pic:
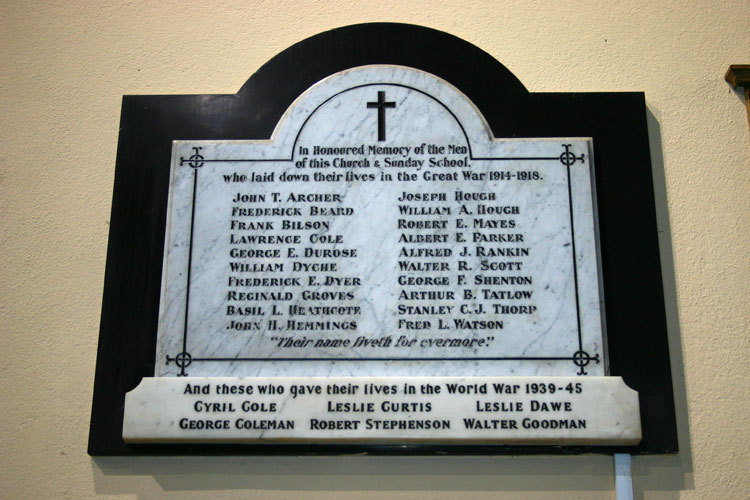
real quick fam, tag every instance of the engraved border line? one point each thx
(581, 358)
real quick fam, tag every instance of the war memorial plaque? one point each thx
(381, 270)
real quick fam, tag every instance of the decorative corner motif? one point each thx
(567, 157)
(582, 358)
(183, 360)
(195, 160)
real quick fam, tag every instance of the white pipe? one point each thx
(623, 480)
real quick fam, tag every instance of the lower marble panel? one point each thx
(387, 410)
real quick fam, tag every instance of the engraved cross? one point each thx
(381, 105)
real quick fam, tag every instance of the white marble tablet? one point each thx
(381, 231)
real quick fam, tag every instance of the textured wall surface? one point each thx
(65, 66)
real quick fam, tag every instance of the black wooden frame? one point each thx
(633, 292)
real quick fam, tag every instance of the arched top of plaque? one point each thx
(474, 73)
(379, 103)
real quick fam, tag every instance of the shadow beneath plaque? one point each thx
(666, 473)
(347, 474)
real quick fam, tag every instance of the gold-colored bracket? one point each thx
(738, 75)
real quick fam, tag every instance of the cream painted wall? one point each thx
(65, 66)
